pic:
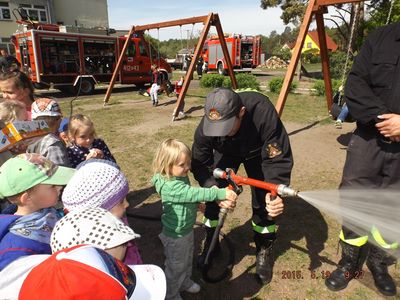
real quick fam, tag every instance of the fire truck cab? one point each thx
(244, 51)
(73, 60)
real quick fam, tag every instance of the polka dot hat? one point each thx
(96, 183)
(90, 226)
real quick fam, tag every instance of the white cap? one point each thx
(91, 226)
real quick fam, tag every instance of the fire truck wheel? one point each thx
(221, 70)
(86, 86)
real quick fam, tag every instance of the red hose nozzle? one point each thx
(275, 189)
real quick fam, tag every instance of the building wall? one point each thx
(85, 13)
(309, 44)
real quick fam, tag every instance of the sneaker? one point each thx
(194, 289)
(338, 124)
(181, 115)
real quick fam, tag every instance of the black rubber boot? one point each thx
(206, 245)
(377, 263)
(349, 266)
(264, 259)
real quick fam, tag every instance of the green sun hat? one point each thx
(24, 171)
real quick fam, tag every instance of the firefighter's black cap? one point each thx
(221, 109)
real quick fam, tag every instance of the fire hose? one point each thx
(235, 183)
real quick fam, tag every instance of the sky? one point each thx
(237, 16)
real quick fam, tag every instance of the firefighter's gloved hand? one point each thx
(274, 207)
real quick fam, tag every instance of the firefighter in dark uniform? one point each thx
(243, 128)
(372, 94)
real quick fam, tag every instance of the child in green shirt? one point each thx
(180, 202)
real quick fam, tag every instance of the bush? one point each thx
(311, 56)
(211, 80)
(285, 54)
(337, 61)
(275, 85)
(243, 80)
(319, 86)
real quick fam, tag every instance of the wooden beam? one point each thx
(227, 57)
(319, 3)
(189, 73)
(118, 66)
(194, 20)
(295, 57)
(323, 50)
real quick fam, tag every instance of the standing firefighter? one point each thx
(243, 128)
(373, 155)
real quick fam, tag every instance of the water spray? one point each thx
(363, 211)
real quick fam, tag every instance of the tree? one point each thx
(292, 10)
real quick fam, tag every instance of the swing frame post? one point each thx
(212, 19)
(314, 8)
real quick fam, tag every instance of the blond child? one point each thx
(13, 110)
(83, 142)
(180, 202)
(33, 183)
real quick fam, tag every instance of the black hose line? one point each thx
(226, 271)
(207, 267)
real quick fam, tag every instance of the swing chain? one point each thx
(390, 12)
(349, 45)
(149, 43)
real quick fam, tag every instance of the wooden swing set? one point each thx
(315, 8)
(212, 19)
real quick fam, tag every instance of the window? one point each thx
(5, 43)
(35, 12)
(142, 49)
(309, 45)
(131, 51)
(4, 11)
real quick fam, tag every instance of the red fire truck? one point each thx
(244, 51)
(70, 61)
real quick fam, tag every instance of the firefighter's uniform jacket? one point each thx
(261, 145)
(372, 89)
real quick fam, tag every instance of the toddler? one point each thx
(63, 131)
(11, 110)
(83, 142)
(155, 86)
(100, 183)
(178, 89)
(50, 145)
(33, 183)
(180, 202)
